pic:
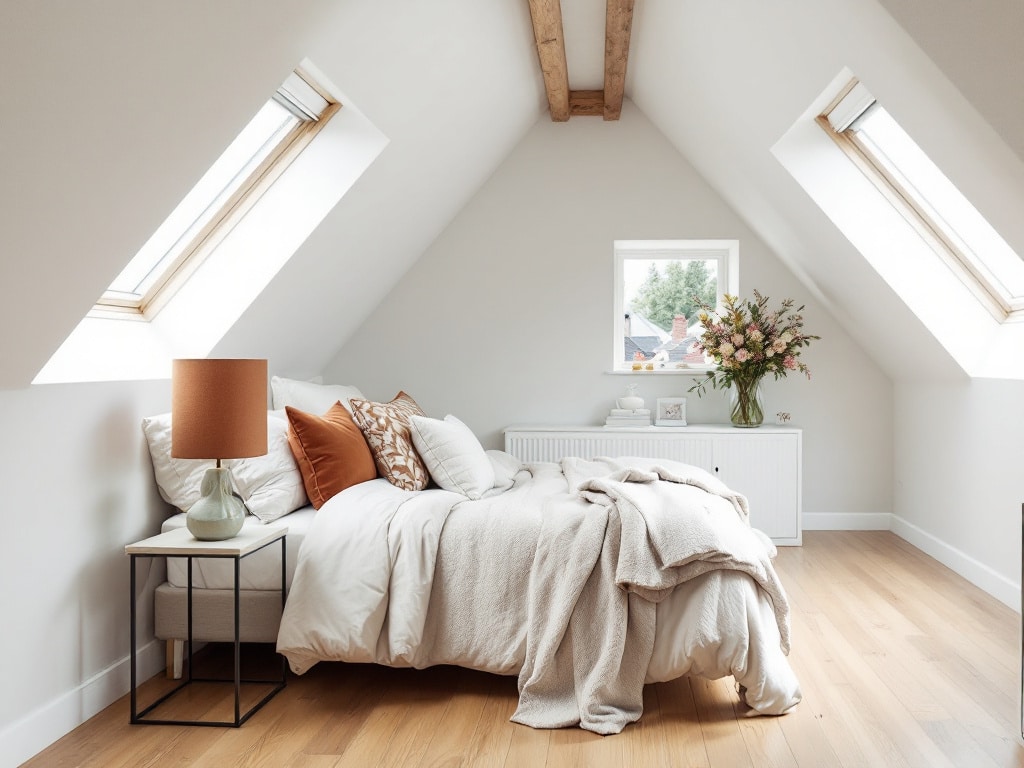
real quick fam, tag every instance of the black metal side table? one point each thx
(181, 543)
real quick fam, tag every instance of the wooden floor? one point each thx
(902, 663)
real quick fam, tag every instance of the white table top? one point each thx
(181, 542)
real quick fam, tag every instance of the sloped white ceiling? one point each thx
(454, 86)
(978, 47)
(111, 109)
(724, 81)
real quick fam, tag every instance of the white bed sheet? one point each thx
(260, 570)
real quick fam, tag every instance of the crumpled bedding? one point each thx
(586, 579)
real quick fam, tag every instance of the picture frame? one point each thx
(671, 412)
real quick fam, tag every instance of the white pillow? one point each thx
(453, 455)
(506, 467)
(271, 485)
(311, 396)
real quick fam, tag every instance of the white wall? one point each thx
(77, 487)
(507, 316)
(958, 489)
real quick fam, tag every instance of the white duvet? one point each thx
(586, 579)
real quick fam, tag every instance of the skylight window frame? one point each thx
(189, 258)
(983, 284)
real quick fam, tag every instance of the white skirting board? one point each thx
(37, 730)
(980, 575)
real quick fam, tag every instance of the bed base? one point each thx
(213, 618)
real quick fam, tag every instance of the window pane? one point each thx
(252, 146)
(941, 202)
(660, 302)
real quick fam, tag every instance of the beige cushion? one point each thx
(453, 455)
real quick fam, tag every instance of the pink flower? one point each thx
(779, 345)
(726, 349)
(737, 339)
(789, 362)
(742, 355)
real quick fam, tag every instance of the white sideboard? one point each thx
(764, 464)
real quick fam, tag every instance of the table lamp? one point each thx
(218, 411)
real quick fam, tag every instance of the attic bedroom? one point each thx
(451, 235)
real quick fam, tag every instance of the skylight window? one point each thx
(953, 227)
(245, 170)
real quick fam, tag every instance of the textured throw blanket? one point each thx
(587, 579)
(636, 529)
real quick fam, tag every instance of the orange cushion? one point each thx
(330, 451)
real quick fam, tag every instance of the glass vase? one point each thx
(746, 404)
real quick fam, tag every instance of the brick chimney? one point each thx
(679, 328)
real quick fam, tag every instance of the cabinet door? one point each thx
(698, 450)
(766, 469)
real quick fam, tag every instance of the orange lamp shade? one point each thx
(218, 409)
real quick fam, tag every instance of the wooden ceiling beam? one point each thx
(586, 103)
(547, 30)
(548, 33)
(617, 29)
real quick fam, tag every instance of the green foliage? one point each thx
(681, 290)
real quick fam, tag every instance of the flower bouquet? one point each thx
(746, 341)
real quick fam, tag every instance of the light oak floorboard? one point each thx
(901, 662)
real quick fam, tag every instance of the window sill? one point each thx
(693, 370)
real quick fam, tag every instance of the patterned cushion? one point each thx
(386, 429)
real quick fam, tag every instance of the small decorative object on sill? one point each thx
(629, 411)
(631, 401)
(671, 412)
(747, 342)
(638, 360)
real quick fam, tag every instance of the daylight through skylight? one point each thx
(941, 212)
(213, 202)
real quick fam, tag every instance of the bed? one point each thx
(586, 579)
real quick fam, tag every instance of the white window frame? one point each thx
(314, 107)
(725, 253)
(839, 120)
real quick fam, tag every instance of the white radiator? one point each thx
(531, 446)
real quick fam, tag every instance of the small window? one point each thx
(659, 285)
(939, 212)
(248, 167)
